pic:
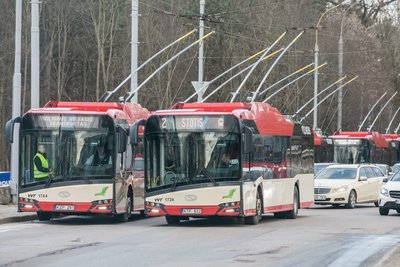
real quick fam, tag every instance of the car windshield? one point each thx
(319, 167)
(337, 173)
(396, 167)
(396, 177)
(383, 168)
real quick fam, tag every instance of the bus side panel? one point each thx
(249, 196)
(278, 194)
(138, 193)
(306, 189)
(120, 194)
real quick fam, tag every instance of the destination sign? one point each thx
(194, 123)
(66, 121)
(347, 142)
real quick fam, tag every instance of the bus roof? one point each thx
(375, 137)
(129, 111)
(268, 120)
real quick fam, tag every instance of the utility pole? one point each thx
(340, 92)
(199, 85)
(35, 55)
(134, 48)
(16, 100)
(316, 51)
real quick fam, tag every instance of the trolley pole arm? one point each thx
(359, 128)
(325, 98)
(165, 64)
(379, 113)
(108, 94)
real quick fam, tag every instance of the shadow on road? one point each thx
(90, 220)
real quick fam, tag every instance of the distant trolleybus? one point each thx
(88, 167)
(226, 159)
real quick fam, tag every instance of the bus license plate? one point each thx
(190, 211)
(64, 207)
(320, 197)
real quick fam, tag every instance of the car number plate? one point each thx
(64, 207)
(397, 201)
(190, 211)
(320, 197)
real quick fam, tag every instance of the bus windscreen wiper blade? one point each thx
(207, 174)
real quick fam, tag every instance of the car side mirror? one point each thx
(385, 180)
(363, 178)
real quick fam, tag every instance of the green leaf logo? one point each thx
(102, 192)
(230, 194)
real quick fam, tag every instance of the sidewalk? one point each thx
(9, 214)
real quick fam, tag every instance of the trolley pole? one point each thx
(134, 48)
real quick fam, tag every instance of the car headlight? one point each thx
(340, 189)
(384, 192)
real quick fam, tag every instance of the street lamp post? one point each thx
(316, 51)
(340, 71)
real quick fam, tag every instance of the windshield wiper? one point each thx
(207, 174)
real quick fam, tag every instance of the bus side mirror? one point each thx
(134, 132)
(10, 128)
(122, 139)
(247, 138)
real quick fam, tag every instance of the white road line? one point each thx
(357, 252)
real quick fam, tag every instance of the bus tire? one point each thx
(124, 217)
(43, 216)
(351, 202)
(253, 220)
(292, 214)
(172, 220)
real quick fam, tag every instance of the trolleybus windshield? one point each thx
(77, 148)
(191, 150)
(350, 151)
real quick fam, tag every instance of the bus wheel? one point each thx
(293, 213)
(43, 216)
(351, 203)
(172, 220)
(128, 210)
(253, 220)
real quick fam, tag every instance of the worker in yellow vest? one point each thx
(40, 164)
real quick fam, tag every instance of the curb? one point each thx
(23, 218)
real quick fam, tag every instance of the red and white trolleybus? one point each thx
(226, 159)
(80, 180)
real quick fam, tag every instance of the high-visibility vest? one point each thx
(45, 164)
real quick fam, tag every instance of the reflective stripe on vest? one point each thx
(45, 164)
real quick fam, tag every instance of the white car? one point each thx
(348, 184)
(389, 197)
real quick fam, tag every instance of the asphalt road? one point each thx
(321, 236)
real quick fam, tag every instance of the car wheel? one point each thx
(383, 211)
(398, 210)
(253, 220)
(351, 203)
